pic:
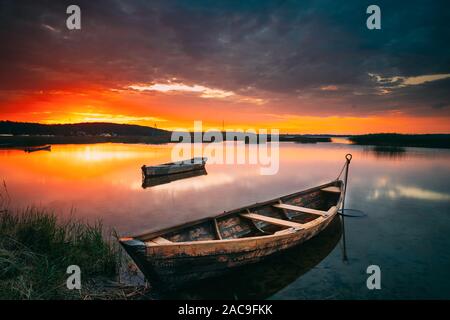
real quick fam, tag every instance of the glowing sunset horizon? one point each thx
(237, 66)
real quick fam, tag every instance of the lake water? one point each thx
(405, 194)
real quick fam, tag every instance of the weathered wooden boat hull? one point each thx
(173, 168)
(263, 279)
(185, 256)
(189, 266)
(152, 171)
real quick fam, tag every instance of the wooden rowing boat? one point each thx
(153, 181)
(212, 246)
(174, 167)
(264, 279)
(34, 149)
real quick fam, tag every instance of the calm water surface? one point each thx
(405, 194)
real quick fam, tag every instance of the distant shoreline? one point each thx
(21, 135)
(403, 140)
(378, 140)
(30, 141)
(22, 141)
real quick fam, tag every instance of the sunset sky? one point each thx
(297, 66)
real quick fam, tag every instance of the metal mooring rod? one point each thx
(348, 157)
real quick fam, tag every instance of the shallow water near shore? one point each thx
(403, 192)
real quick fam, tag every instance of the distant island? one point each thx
(19, 134)
(24, 134)
(78, 129)
(403, 140)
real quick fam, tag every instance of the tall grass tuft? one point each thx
(36, 249)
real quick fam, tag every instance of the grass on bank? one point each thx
(36, 249)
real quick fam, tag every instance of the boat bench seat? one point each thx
(331, 189)
(301, 209)
(158, 241)
(285, 231)
(271, 220)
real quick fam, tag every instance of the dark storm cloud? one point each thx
(286, 48)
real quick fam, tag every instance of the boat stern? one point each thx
(198, 160)
(148, 171)
(130, 242)
(134, 247)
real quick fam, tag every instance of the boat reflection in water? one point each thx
(264, 279)
(148, 182)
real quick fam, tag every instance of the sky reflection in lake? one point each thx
(406, 199)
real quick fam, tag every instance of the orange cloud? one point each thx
(158, 106)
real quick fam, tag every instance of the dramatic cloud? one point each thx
(399, 82)
(302, 58)
(204, 92)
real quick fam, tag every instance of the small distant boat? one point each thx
(152, 181)
(193, 164)
(213, 246)
(39, 148)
